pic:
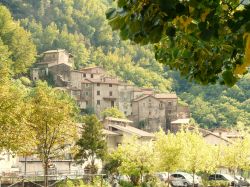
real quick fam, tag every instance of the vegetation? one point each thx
(193, 155)
(85, 33)
(92, 143)
(13, 117)
(113, 112)
(135, 158)
(51, 123)
(206, 41)
(21, 50)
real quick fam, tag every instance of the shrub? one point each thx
(216, 183)
(125, 183)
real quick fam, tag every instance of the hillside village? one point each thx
(93, 88)
(124, 93)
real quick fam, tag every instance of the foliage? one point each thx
(169, 151)
(22, 50)
(111, 165)
(51, 120)
(216, 183)
(204, 40)
(92, 144)
(84, 32)
(113, 112)
(136, 159)
(236, 155)
(14, 135)
(80, 183)
(199, 156)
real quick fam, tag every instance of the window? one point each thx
(149, 113)
(125, 112)
(86, 93)
(98, 84)
(84, 75)
(110, 93)
(161, 105)
(112, 103)
(110, 85)
(92, 76)
(87, 102)
(169, 103)
(98, 92)
(98, 102)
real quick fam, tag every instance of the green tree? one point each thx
(92, 143)
(206, 41)
(135, 159)
(197, 152)
(113, 112)
(14, 135)
(236, 155)
(22, 50)
(169, 150)
(52, 121)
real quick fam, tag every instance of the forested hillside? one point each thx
(80, 27)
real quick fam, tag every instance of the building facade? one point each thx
(95, 90)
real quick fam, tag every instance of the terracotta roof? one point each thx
(181, 121)
(132, 130)
(166, 96)
(118, 119)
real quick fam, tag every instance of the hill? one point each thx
(80, 27)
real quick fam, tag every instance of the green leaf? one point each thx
(111, 13)
(121, 3)
(229, 78)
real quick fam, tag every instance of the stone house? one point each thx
(55, 65)
(152, 112)
(117, 130)
(95, 90)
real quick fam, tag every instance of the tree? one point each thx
(14, 135)
(135, 158)
(169, 151)
(206, 41)
(51, 120)
(197, 152)
(22, 50)
(236, 155)
(113, 112)
(92, 143)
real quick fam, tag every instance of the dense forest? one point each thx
(80, 27)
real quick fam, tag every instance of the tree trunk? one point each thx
(193, 179)
(234, 179)
(46, 163)
(168, 179)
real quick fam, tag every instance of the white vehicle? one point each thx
(183, 179)
(223, 177)
(163, 176)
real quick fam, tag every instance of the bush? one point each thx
(98, 180)
(125, 184)
(216, 183)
